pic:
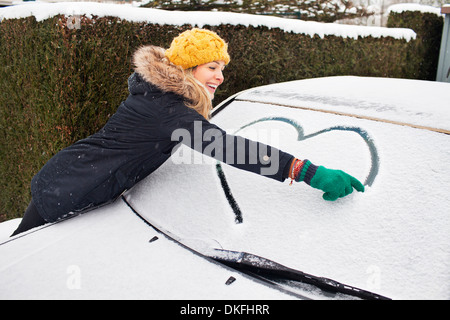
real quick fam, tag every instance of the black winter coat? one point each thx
(135, 141)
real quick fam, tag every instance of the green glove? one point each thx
(335, 183)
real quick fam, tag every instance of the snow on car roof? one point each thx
(411, 102)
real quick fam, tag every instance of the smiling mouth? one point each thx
(211, 87)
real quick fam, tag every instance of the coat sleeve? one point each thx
(185, 125)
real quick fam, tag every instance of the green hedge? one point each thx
(61, 84)
(428, 27)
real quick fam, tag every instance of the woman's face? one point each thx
(210, 75)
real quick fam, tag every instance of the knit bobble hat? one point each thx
(195, 47)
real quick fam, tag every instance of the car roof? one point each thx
(414, 103)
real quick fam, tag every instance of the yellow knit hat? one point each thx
(195, 47)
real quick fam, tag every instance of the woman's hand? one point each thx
(334, 183)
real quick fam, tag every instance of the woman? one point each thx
(170, 92)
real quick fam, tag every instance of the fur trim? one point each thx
(153, 66)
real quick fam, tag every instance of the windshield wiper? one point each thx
(273, 271)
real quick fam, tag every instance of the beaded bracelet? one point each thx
(296, 168)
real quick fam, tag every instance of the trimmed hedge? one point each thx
(428, 27)
(61, 84)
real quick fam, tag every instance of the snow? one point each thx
(393, 239)
(42, 11)
(402, 7)
(398, 100)
(106, 254)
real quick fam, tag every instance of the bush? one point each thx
(262, 56)
(318, 10)
(61, 84)
(428, 27)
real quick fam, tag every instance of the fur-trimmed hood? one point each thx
(151, 64)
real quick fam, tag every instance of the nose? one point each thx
(219, 76)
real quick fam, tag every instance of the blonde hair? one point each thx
(155, 68)
(199, 97)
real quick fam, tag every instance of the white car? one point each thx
(230, 234)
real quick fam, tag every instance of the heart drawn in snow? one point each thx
(374, 158)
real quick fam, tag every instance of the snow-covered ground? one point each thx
(393, 239)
